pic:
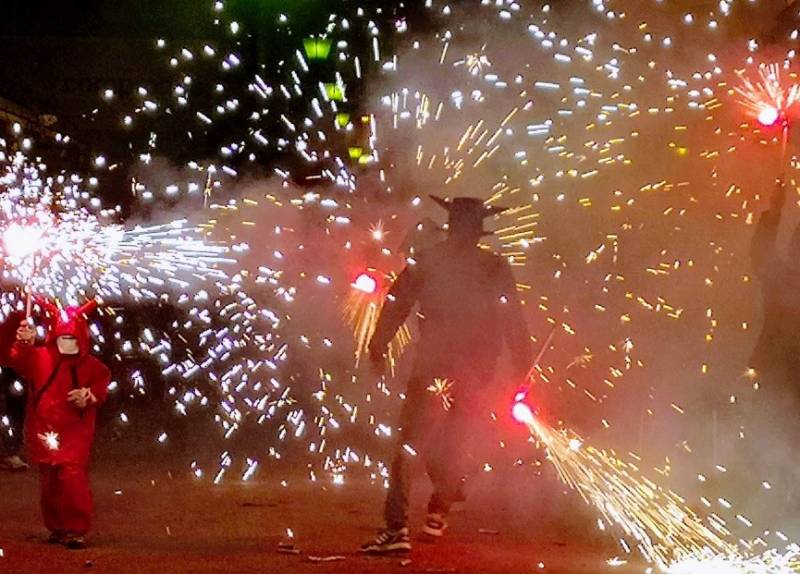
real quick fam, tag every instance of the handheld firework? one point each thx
(665, 530)
(521, 410)
(21, 243)
(362, 309)
(768, 100)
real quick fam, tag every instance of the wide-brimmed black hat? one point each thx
(468, 212)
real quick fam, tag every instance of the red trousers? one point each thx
(66, 498)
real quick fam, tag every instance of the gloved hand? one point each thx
(81, 398)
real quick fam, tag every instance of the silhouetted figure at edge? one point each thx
(776, 357)
(772, 428)
(468, 308)
(12, 390)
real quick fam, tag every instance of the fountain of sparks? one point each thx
(64, 251)
(666, 531)
(578, 119)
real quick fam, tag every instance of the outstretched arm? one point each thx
(24, 356)
(398, 304)
(762, 249)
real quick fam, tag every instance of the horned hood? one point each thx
(70, 321)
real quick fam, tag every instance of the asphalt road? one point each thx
(162, 520)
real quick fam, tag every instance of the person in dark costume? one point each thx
(12, 390)
(775, 360)
(14, 399)
(776, 357)
(422, 236)
(468, 310)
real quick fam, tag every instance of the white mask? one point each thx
(67, 345)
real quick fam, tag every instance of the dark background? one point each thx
(56, 59)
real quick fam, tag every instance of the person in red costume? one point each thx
(66, 386)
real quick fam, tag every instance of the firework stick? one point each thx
(539, 356)
(28, 305)
(784, 149)
(29, 293)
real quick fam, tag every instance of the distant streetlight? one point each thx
(334, 92)
(317, 48)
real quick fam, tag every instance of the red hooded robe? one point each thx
(51, 376)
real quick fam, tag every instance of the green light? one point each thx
(355, 152)
(342, 119)
(334, 92)
(317, 48)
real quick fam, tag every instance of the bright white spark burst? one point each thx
(555, 142)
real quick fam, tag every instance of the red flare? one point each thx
(366, 283)
(768, 116)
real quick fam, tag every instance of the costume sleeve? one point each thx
(516, 334)
(8, 335)
(762, 249)
(101, 377)
(23, 359)
(398, 304)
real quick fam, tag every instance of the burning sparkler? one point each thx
(770, 100)
(67, 254)
(21, 241)
(443, 389)
(361, 312)
(667, 532)
(51, 440)
(535, 137)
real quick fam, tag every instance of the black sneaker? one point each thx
(75, 542)
(435, 525)
(389, 542)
